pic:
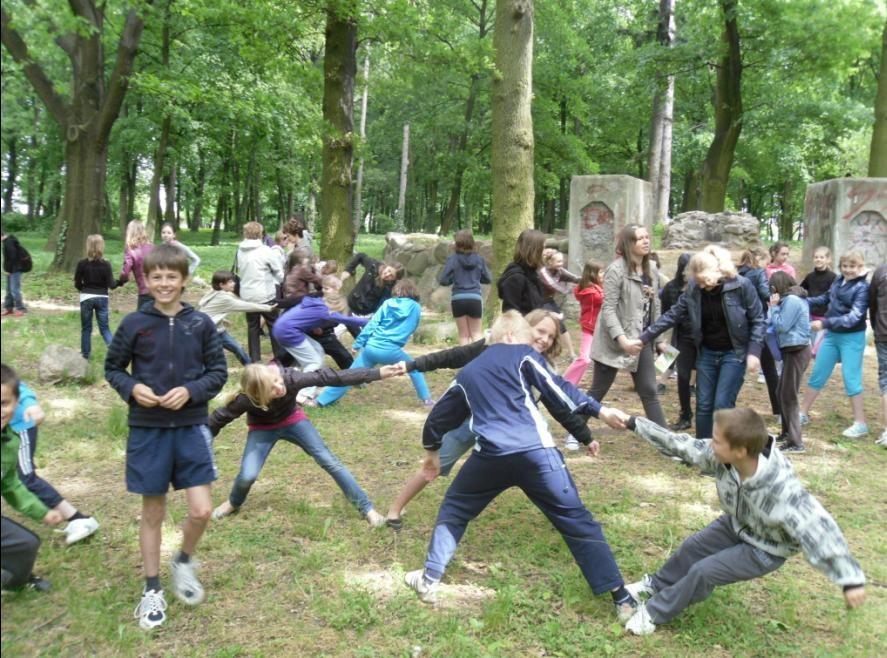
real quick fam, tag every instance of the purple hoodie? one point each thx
(291, 328)
(132, 262)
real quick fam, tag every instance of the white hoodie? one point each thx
(259, 270)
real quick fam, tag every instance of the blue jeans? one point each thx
(230, 343)
(455, 443)
(303, 434)
(543, 476)
(99, 305)
(370, 357)
(14, 292)
(719, 376)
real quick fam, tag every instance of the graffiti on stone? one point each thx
(868, 234)
(597, 229)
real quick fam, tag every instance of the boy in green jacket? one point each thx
(18, 545)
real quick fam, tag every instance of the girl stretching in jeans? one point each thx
(268, 396)
(382, 340)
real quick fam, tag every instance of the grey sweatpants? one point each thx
(712, 557)
(645, 380)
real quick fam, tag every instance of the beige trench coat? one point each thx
(622, 314)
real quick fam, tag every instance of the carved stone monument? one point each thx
(600, 206)
(847, 214)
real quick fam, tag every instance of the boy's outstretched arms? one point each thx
(695, 452)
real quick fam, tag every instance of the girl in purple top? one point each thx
(137, 247)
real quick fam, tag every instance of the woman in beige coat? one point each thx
(631, 303)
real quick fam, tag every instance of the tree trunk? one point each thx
(878, 153)
(11, 174)
(169, 186)
(431, 214)
(222, 203)
(691, 191)
(152, 224)
(512, 129)
(728, 116)
(786, 212)
(86, 120)
(663, 111)
(339, 71)
(358, 187)
(402, 189)
(197, 215)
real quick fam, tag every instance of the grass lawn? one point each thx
(298, 572)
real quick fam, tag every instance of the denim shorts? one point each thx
(881, 347)
(159, 456)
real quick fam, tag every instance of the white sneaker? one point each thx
(570, 443)
(643, 587)
(804, 418)
(79, 529)
(640, 622)
(625, 611)
(856, 430)
(762, 379)
(185, 585)
(151, 610)
(416, 581)
(375, 519)
(883, 440)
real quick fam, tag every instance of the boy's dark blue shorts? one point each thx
(159, 456)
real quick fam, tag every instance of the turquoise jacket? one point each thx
(391, 326)
(26, 399)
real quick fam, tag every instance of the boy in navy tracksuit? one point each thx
(514, 448)
(177, 367)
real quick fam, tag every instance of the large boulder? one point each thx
(696, 229)
(59, 363)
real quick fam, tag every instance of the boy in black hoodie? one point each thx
(177, 368)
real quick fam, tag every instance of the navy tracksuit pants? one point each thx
(543, 476)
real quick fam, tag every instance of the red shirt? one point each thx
(590, 301)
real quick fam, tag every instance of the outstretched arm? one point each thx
(450, 411)
(695, 452)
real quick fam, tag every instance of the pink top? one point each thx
(297, 416)
(785, 267)
(132, 263)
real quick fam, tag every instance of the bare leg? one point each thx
(858, 411)
(150, 533)
(809, 398)
(410, 490)
(464, 331)
(475, 330)
(200, 508)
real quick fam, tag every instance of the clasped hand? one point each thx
(174, 399)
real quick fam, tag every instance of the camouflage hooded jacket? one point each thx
(770, 510)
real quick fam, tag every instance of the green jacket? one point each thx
(13, 490)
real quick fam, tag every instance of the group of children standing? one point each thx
(166, 362)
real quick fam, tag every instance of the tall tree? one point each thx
(663, 118)
(358, 186)
(728, 115)
(404, 168)
(878, 152)
(85, 118)
(512, 133)
(339, 71)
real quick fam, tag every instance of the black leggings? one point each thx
(644, 383)
(771, 376)
(684, 364)
(18, 547)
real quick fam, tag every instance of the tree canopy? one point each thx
(222, 113)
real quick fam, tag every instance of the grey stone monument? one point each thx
(600, 206)
(847, 214)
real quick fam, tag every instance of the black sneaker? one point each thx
(38, 584)
(793, 448)
(681, 424)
